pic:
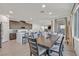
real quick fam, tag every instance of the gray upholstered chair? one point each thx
(35, 49)
(56, 49)
(58, 42)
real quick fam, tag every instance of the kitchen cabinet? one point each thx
(12, 36)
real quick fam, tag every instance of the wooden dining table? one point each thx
(47, 43)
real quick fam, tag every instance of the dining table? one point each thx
(47, 43)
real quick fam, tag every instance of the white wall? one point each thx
(5, 28)
(76, 45)
(35, 27)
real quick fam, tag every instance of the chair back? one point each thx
(24, 38)
(33, 46)
(60, 39)
(58, 46)
(61, 44)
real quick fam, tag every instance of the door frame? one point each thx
(0, 34)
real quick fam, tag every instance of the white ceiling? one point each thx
(25, 11)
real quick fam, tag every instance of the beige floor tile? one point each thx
(12, 48)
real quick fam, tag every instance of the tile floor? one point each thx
(68, 51)
(12, 48)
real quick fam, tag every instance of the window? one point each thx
(76, 23)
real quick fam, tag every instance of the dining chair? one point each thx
(27, 35)
(56, 49)
(58, 42)
(24, 39)
(35, 49)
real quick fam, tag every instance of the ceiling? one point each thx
(39, 15)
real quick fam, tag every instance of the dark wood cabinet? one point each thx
(12, 36)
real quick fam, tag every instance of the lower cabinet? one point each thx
(12, 36)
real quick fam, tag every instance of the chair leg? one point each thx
(60, 53)
(30, 54)
(63, 47)
(45, 53)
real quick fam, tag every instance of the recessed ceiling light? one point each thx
(50, 13)
(11, 12)
(43, 6)
(31, 18)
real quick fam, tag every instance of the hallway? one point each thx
(12, 48)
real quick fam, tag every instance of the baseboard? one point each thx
(4, 42)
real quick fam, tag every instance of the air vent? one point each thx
(42, 11)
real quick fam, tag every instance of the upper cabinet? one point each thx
(19, 25)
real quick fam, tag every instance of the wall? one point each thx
(35, 27)
(69, 40)
(5, 28)
(76, 45)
